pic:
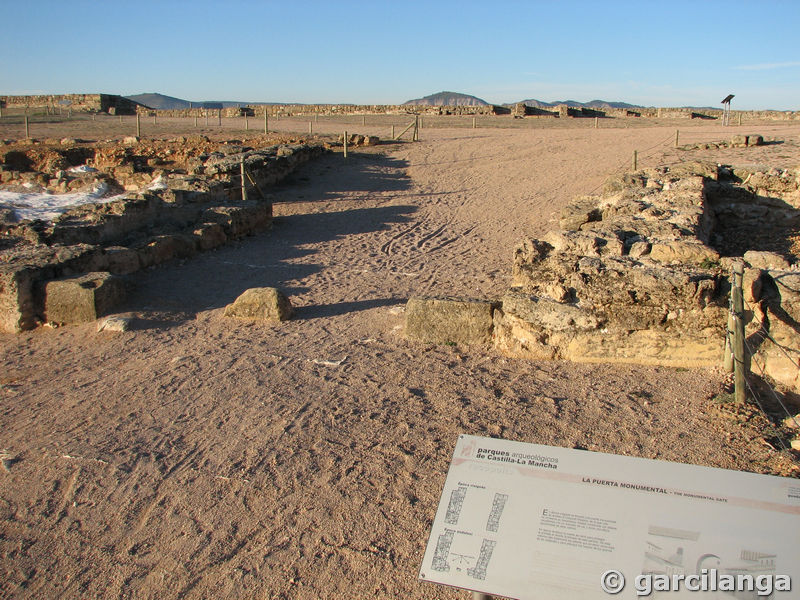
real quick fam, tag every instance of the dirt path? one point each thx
(196, 457)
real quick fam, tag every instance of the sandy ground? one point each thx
(199, 457)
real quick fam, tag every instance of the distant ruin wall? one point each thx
(109, 103)
(287, 110)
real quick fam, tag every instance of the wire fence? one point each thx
(752, 358)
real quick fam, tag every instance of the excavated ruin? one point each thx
(640, 274)
(175, 198)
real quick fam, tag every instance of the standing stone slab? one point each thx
(82, 299)
(450, 320)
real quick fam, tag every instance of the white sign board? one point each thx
(537, 522)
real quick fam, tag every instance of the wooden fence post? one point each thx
(246, 122)
(677, 135)
(392, 131)
(138, 125)
(195, 121)
(27, 130)
(740, 366)
(727, 353)
(310, 127)
(244, 180)
(219, 117)
(474, 123)
(363, 119)
(345, 144)
(266, 122)
(635, 160)
(595, 122)
(740, 118)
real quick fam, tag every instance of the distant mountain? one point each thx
(573, 104)
(162, 102)
(447, 99)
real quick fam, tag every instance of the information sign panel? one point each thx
(538, 522)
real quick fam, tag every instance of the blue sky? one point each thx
(671, 53)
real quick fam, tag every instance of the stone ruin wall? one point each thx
(285, 110)
(109, 103)
(631, 276)
(182, 215)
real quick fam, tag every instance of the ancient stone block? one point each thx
(547, 314)
(210, 235)
(639, 249)
(83, 298)
(755, 140)
(17, 309)
(449, 320)
(579, 212)
(648, 347)
(739, 141)
(122, 260)
(260, 304)
(765, 260)
(688, 252)
(695, 168)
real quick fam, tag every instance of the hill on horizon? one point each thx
(447, 99)
(573, 104)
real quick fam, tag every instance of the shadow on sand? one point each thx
(279, 257)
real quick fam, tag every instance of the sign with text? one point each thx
(538, 522)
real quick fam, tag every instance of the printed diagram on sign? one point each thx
(474, 513)
(670, 551)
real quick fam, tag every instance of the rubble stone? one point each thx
(261, 304)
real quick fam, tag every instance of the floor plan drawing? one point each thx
(443, 544)
(479, 570)
(498, 504)
(454, 508)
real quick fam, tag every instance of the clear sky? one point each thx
(668, 53)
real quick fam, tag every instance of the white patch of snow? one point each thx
(41, 205)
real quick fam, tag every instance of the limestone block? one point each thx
(115, 324)
(122, 260)
(739, 141)
(546, 314)
(449, 320)
(639, 249)
(17, 306)
(210, 235)
(788, 284)
(83, 298)
(515, 337)
(765, 260)
(696, 168)
(682, 252)
(579, 212)
(647, 347)
(755, 140)
(752, 286)
(261, 304)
